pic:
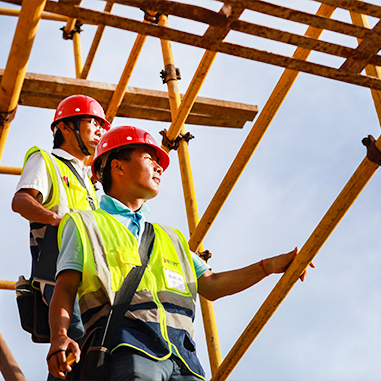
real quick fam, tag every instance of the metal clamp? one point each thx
(174, 144)
(7, 117)
(372, 153)
(205, 255)
(70, 35)
(151, 16)
(170, 73)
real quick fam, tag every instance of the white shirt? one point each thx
(35, 174)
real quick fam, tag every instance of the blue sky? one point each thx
(328, 327)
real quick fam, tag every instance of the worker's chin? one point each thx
(151, 194)
(91, 148)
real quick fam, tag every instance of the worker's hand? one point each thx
(57, 356)
(280, 263)
(55, 219)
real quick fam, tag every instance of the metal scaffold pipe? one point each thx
(15, 69)
(255, 135)
(8, 365)
(210, 327)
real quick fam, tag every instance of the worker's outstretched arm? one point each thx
(216, 285)
(60, 312)
(25, 203)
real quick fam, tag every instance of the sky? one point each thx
(327, 328)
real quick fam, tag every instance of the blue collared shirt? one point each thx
(133, 221)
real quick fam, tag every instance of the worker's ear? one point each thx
(65, 130)
(117, 166)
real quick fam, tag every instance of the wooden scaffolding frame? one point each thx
(19, 87)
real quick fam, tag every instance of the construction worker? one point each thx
(154, 342)
(54, 184)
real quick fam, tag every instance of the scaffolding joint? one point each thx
(7, 117)
(174, 144)
(205, 255)
(171, 73)
(372, 152)
(151, 16)
(70, 35)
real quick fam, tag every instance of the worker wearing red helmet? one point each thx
(55, 183)
(154, 340)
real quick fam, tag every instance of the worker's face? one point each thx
(142, 173)
(91, 131)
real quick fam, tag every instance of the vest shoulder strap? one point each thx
(129, 286)
(101, 265)
(79, 178)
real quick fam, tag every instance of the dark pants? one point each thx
(130, 365)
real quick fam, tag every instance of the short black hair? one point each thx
(120, 154)
(58, 137)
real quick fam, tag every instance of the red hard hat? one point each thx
(123, 136)
(80, 105)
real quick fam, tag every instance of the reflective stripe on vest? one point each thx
(66, 195)
(166, 296)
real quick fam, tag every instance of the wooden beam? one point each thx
(355, 6)
(316, 21)
(219, 46)
(364, 53)
(47, 91)
(307, 42)
(371, 70)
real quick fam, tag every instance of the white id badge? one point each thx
(175, 280)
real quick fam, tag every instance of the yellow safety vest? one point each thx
(66, 189)
(166, 296)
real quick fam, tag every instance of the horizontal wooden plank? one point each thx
(307, 42)
(47, 91)
(366, 50)
(316, 21)
(355, 6)
(214, 19)
(223, 47)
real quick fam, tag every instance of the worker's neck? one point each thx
(73, 150)
(132, 203)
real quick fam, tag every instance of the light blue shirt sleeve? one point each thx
(199, 265)
(71, 253)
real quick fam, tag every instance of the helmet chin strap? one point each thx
(77, 134)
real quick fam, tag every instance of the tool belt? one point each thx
(33, 311)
